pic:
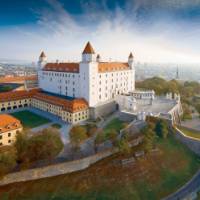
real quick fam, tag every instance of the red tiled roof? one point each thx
(17, 79)
(88, 49)
(74, 67)
(74, 105)
(62, 67)
(112, 66)
(8, 122)
(68, 105)
(17, 95)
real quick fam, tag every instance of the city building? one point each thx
(9, 127)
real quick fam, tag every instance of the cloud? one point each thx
(113, 33)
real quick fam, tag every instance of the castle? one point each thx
(92, 79)
(91, 88)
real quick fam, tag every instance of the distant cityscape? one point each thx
(186, 72)
(8, 69)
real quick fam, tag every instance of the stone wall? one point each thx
(128, 117)
(191, 143)
(103, 110)
(55, 170)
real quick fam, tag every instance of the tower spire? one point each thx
(88, 49)
(130, 55)
(42, 55)
(42, 60)
(130, 60)
(88, 54)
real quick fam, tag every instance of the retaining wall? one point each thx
(103, 110)
(190, 142)
(128, 117)
(55, 170)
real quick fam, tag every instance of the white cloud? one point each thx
(113, 35)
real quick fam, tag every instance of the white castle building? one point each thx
(92, 79)
(91, 88)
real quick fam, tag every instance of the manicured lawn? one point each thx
(150, 178)
(30, 119)
(191, 133)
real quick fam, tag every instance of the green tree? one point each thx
(99, 139)
(77, 135)
(149, 139)
(46, 145)
(161, 128)
(7, 159)
(112, 136)
(91, 129)
(123, 146)
(21, 144)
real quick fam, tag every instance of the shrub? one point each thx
(123, 146)
(100, 138)
(7, 159)
(161, 128)
(44, 145)
(77, 135)
(91, 129)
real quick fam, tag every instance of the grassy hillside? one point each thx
(152, 177)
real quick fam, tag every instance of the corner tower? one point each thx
(89, 75)
(42, 60)
(130, 60)
(88, 54)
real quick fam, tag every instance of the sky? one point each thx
(166, 31)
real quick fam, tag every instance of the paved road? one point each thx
(194, 123)
(187, 191)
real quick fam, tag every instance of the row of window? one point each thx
(1, 136)
(73, 75)
(9, 141)
(9, 103)
(117, 73)
(106, 81)
(59, 74)
(13, 107)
